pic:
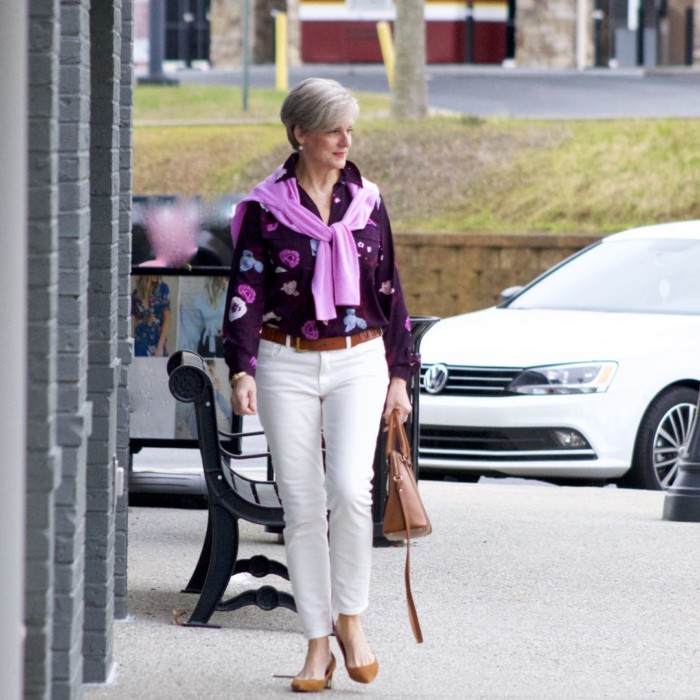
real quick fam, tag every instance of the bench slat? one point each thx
(244, 488)
(267, 494)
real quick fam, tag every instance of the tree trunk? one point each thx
(294, 33)
(409, 98)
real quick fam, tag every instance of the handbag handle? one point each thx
(396, 437)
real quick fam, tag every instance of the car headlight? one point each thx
(584, 378)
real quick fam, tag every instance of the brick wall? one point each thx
(226, 46)
(125, 344)
(444, 275)
(79, 201)
(263, 41)
(226, 18)
(43, 453)
(546, 33)
(74, 410)
(103, 362)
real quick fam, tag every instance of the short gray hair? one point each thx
(317, 104)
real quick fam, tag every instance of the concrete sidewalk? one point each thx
(522, 591)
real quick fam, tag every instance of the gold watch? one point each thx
(234, 380)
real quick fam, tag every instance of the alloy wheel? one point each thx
(671, 434)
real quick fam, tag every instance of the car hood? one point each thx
(503, 337)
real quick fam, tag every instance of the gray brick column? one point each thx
(125, 344)
(63, 282)
(43, 453)
(103, 361)
(13, 373)
(74, 411)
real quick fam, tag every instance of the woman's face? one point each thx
(327, 150)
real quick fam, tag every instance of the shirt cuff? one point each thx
(406, 370)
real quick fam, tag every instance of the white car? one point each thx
(591, 372)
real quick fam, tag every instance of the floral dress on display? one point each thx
(149, 320)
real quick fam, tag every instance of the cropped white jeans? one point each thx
(339, 396)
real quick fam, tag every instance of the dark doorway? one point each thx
(187, 31)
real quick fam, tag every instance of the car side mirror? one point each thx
(509, 292)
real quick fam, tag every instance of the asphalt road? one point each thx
(496, 91)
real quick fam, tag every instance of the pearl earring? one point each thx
(301, 147)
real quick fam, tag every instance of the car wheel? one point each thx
(663, 431)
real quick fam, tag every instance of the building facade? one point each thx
(557, 34)
(616, 33)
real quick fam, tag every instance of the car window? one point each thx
(633, 275)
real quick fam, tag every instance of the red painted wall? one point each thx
(357, 42)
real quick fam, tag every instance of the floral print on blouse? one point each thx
(271, 274)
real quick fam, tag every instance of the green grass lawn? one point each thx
(443, 174)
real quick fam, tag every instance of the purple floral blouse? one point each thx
(271, 275)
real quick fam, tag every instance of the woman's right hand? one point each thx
(244, 401)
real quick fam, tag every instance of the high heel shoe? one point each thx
(315, 685)
(360, 674)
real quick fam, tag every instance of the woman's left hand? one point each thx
(397, 400)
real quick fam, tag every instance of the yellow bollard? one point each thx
(281, 72)
(387, 46)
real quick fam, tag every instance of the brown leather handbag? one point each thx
(405, 516)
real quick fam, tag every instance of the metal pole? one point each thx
(682, 501)
(689, 35)
(640, 36)
(156, 38)
(598, 17)
(246, 53)
(14, 31)
(156, 46)
(419, 326)
(469, 34)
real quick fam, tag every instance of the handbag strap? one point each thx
(396, 429)
(412, 613)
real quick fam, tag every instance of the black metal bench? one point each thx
(232, 496)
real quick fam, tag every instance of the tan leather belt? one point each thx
(275, 335)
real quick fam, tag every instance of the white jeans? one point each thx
(339, 395)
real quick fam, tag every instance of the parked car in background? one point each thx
(590, 372)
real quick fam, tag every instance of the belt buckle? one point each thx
(296, 345)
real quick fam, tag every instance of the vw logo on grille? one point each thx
(435, 379)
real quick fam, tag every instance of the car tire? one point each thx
(662, 432)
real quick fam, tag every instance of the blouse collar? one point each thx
(349, 174)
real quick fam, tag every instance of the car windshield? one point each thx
(625, 275)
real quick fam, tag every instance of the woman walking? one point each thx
(317, 340)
